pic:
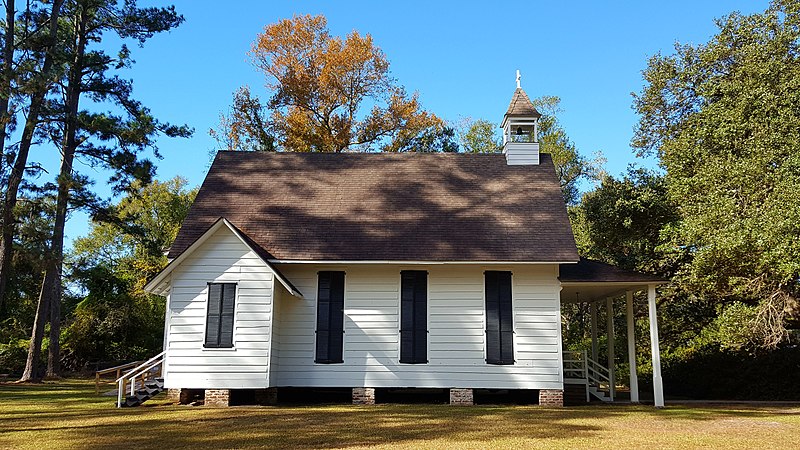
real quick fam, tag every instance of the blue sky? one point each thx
(460, 56)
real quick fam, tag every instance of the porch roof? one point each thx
(590, 280)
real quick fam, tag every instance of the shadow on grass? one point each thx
(51, 414)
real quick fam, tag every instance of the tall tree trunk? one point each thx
(5, 98)
(31, 372)
(21, 160)
(51, 288)
(15, 178)
(70, 145)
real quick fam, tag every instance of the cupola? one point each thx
(520, 128)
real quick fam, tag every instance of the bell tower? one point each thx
(520, 128)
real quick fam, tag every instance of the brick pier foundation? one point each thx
(462, 397)
(551, 397)
(363, 396)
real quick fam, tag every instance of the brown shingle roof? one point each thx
(588, 270)
(521, 105)
(386, 207)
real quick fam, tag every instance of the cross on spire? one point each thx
(518, 77)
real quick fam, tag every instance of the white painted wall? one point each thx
(274, 337)
(280, 297)
(455, 322)
(222, 258)
(521, 153)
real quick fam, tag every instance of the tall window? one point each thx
(330, 317)
(413, 316)
(219, 318)
(499, 318)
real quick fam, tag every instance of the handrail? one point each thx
(132, 374)
(143, 364)
(597, 367)
(598, 373)
(578, 365)
(117, 369)
(132, 379)
(574, 364)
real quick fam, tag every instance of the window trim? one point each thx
(205, 322)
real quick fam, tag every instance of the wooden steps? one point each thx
(150, 389)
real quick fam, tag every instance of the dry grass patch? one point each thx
(68, 415)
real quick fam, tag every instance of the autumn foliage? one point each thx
(329, 94)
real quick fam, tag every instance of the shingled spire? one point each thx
(520, 128)
(521, 105)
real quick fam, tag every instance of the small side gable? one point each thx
(159, 285)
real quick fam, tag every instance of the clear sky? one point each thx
(460, 56)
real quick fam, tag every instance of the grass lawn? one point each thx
(67, 414)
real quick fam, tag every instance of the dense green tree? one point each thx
(37, 69)
(40, 86)
(480, 136)
(27, 265)
(621, 222)
(113, 140)
(115, 319)
(724, 119)
(625, 221)
(571, 166)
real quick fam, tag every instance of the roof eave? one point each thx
(415, 262)
(155, 285)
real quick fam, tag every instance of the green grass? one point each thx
(67, 414)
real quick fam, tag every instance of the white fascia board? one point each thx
(612, 283)
(275, 272)
(153, 285)
(429, 263)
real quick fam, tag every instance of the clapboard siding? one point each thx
(223, 258)
(279, 296)
(456, 338)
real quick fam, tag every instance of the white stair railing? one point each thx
(580, 369)
(575, 365)
(599, 374)
(152, 368)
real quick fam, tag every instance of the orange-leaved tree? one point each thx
(329, 94)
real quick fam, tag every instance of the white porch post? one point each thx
(610, 331)
(593, 309)
(658, 386)
(634, 380)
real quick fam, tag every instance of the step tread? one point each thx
(141, 396)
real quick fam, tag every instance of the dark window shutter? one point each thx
(330, 317)
(413, 316)
(226, 316)
(499, 318)
(220, 315)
